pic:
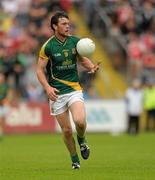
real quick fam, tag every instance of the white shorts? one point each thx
(64, 101)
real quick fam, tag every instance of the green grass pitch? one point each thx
(44, 157)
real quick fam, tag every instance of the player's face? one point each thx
(63, 27)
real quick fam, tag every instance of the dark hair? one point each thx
(56, 16)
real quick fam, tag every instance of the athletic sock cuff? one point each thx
(75, 158)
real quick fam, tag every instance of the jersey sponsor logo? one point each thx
(57, 54)
(65, 51)
(67, 62)
(73, 51)
(71, 66)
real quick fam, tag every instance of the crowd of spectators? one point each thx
(132, 23)
(25, 26)
(127, 29)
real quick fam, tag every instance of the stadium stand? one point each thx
(125, 28)
(24, 28)
(106, 74)
(23, 32)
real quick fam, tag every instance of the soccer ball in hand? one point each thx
(85, 47)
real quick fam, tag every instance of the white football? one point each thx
(85, 47)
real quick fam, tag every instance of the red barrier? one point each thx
(29, 118)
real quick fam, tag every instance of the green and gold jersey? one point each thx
(62, 63)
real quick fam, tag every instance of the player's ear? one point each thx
(55, 27)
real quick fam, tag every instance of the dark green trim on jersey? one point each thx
(62, 63)
(59, 41)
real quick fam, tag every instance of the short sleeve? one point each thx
(42, 53)
(76, 39)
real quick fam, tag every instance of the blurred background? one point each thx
(124, 34)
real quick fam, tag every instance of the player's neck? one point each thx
(60, 37)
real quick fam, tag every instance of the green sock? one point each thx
(75, 158)
(81, 140)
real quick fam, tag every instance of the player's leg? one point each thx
(3, 113)
(64, 122)
(79, 117)
(137, 123)
(1, 127)
(129, 123)
(153, 114)
(147, 120)
(77, 109)
(154, 122)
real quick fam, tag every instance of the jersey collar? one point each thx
(61, 42)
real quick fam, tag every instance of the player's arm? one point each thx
(51, 91)
(88, 65)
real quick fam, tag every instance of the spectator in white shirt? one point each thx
(134, 104)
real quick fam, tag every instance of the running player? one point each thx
(59, 56)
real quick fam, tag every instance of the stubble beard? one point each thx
(64, 35)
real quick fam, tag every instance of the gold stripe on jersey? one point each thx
(74, 85)
(42, 51)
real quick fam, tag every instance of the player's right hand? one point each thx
(95, 68)
(52, 93)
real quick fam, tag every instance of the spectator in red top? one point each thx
(135, 50)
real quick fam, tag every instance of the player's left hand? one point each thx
(95, 68)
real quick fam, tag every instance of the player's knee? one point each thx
(67, 131)
(81, 124)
